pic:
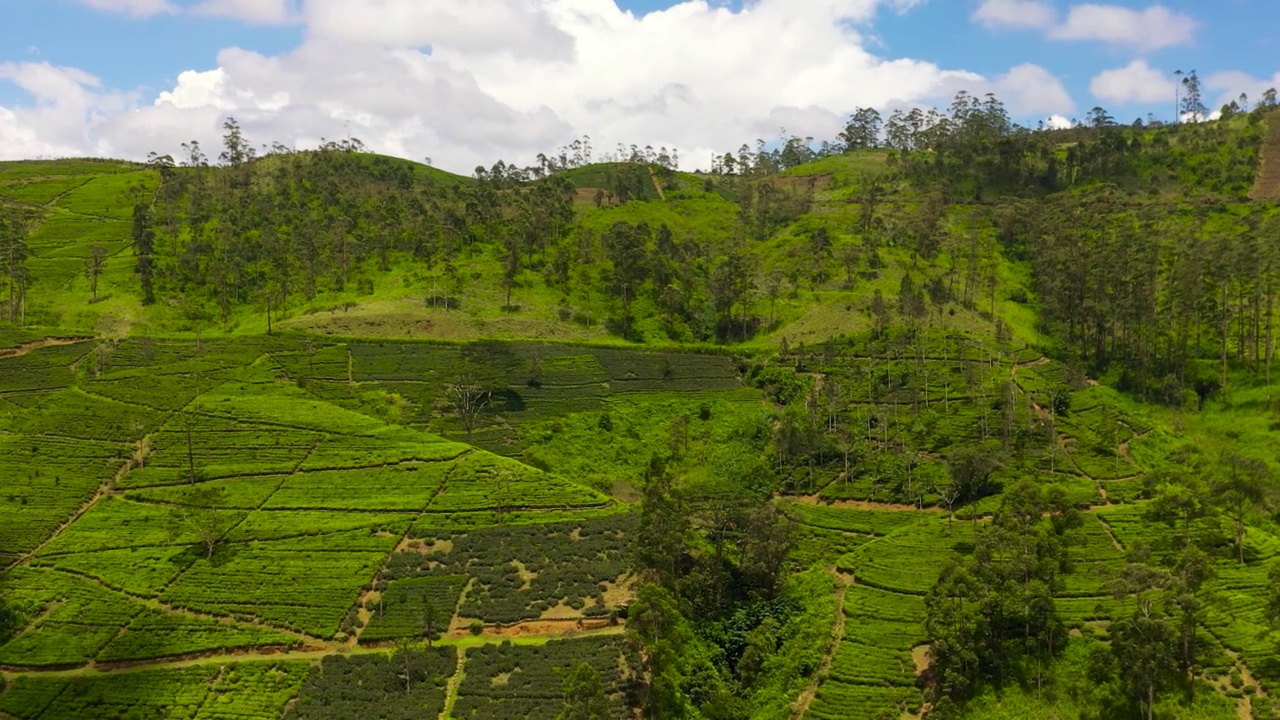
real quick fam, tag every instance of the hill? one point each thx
(979, 425)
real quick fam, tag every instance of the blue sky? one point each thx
(137, 49)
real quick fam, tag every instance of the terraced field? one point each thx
(330, 525)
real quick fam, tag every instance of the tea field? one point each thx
(233, 530)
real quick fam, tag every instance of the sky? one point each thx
(469, 82)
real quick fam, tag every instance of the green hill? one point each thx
(980, 425)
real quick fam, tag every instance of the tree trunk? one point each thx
(191, 458)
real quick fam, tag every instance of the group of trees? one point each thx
(974, 146)
(992, 619)
(1151, 290)
(270, 231)
(1164, 587)
(710, 609)
(991, 616)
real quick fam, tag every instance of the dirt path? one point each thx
(1266, 186)
(656, 185)
(455, 682)
(811, 690)
(303, 655)
(1106, 527)
(38, 344)
(106, 489)
(1245, 707)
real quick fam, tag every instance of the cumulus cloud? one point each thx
(516, 27)
(1020, 14)
(1058, 122)
(468, 82)
(1143, 30)
(1228, 86)
(136, 8)
(66, 102)
(1136, 82)
(266, 12)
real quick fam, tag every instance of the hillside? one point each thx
(978, 427)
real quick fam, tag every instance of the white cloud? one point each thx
(265, 12)
(507, 79)
(1136, 82)
(1058, 122)
(136, 8)
(1228, 85)
(1143, 30)
(1030, 89)
(517, 27)
(67, 101)
(1015, 14)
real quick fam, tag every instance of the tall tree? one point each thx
(583, 694)
(202, 511)
(469, 398)
(13, 264)
(93, 266)
(1193, 101)
(1243, 487)
(862, 130)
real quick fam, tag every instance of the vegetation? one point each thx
(941, 417)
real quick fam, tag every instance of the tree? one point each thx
(93, 266)
(237, 150)
(405, 653)
(201, 512)
(1245, 487)
(1145, 646)
(584, 694)
(948, 491)
(188, 422)
(143, 247)
(773, 285)
(197, 314)
(432, 618)
(971, 468)
(1187, 601)
(469, 399)
(880, 310)
(862, 130)
(991, 616)
(8, 616)
(662, 535)
(765, 543)
(627, 248)
(1273, 595)
(13, 264)
(1099, 118)
(1193, 101)
(1181, 501)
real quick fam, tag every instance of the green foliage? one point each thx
(515, 572)
(408, 684)
(536, 681)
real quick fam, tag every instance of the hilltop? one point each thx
(979, 424)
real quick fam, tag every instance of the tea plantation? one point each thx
(331, 435)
